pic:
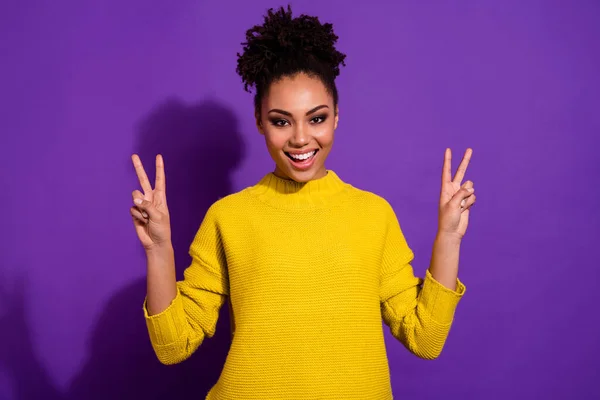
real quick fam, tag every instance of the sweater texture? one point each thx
(310, 270)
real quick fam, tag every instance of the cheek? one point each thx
(324, 134)
(275, 140)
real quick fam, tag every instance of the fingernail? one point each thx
(138, 201)
(471, 189)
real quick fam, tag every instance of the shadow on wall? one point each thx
(201, 147)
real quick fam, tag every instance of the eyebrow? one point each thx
(317, 108)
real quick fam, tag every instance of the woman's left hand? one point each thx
(456, 198)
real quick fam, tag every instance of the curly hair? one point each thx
(285, 46)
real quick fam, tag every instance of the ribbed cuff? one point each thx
(167, 326)
(438, 301)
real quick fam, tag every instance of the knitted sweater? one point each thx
(311, 270)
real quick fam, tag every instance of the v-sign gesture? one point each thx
(150, 213)
(456, 198)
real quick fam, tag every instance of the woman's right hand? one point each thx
(150, 213)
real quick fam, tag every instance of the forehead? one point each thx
(298, 93)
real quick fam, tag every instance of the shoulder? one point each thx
(227, 203)
(371, 201)
(230, 207)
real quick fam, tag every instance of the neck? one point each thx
(318, 175)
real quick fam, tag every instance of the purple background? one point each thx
(86, 84)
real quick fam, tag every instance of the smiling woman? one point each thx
(310, 264)
(293, 64)
(299, 135)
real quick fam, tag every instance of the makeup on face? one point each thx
(298, 125)
(303, 159)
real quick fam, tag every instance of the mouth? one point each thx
(302, 160)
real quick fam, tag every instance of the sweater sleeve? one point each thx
(178, 331)
(419, 312)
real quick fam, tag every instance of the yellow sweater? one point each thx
(311, 271)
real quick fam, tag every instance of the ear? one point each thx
(259, 124)
(337, 117)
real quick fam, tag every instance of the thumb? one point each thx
(148, 207)
(459, 197)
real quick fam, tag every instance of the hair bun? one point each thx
(284, 40)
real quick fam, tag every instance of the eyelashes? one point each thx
(281, 123)
(319, 118)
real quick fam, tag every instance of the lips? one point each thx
(302, 161)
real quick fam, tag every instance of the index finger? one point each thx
(141, 174)
(462, 168)
(159, 183)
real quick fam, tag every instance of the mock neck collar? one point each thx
(285, 193)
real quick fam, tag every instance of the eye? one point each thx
(279, 122)
(319, 119)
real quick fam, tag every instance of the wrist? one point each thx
(448, 238)
(160, 251)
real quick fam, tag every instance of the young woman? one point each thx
(311, 265)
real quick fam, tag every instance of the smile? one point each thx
(301, 157)
(302, 160)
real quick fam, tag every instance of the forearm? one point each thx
(420, 316)
(444, 260)
(161, 280)
(177, 325)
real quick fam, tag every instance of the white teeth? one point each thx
(303, 156)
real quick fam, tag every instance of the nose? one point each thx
(300, 136)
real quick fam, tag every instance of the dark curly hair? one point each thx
(284, 46)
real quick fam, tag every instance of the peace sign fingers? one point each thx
(456, 198)
(143, 178)
(462, 168)
(150, 214)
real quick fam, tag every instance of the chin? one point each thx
(302, 176)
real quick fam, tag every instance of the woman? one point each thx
(310, 264)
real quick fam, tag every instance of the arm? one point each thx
(179, 315)
(444, 260)
(419, 312)
(161, 284)
(186, 316)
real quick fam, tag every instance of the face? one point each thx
(298, 121)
